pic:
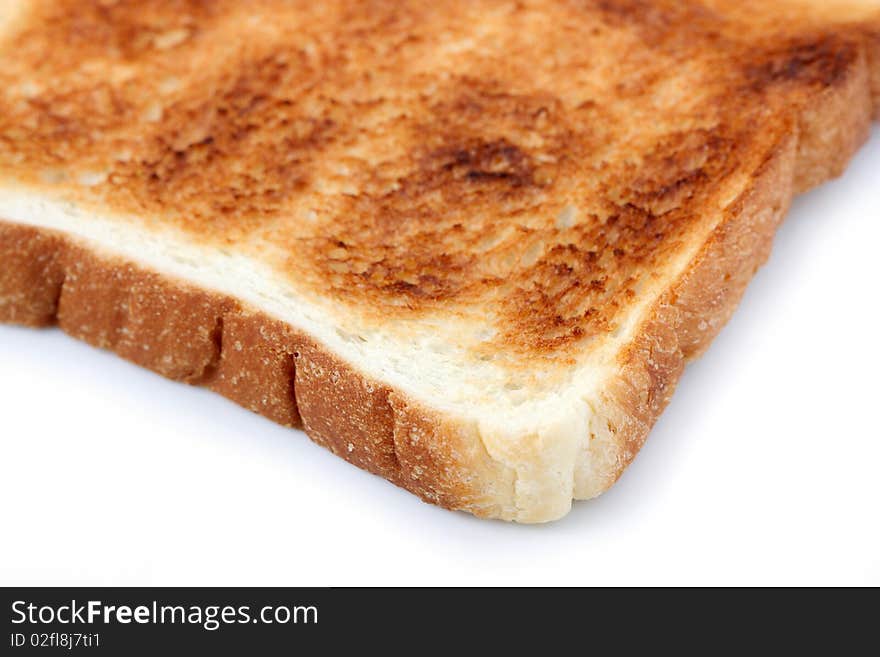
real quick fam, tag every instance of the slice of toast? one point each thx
(467, 246)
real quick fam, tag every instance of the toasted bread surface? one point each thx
(548, 207)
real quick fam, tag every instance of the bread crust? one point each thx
(873, 48)
(816, 146)
(201, 337)
(685, 320)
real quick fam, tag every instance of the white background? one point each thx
(764, 470)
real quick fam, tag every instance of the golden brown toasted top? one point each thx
(529, 162)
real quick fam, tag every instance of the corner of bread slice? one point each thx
(528, 460)
(576, 443)
(577, 451)
(542, 454)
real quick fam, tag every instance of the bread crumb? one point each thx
(170, 39)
